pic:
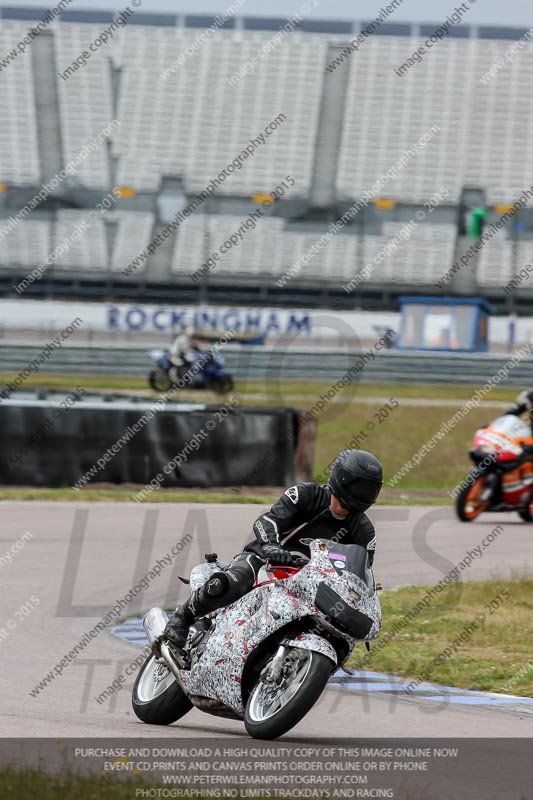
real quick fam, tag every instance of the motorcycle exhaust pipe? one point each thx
(154, 623)
(169, 660)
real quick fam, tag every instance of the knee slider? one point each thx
(217, 585)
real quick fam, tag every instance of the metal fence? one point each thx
(271, 364)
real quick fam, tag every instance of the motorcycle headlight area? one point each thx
(348, 619)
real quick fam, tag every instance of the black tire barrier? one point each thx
(178, 445)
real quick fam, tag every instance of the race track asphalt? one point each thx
(82, 558)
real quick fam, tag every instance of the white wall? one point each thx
(331, 326)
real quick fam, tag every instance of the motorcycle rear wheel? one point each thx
(469, 504)
(272, 712)
(157, 698)
(159, 381)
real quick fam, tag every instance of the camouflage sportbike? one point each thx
(266, 658)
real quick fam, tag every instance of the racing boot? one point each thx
(177, 628)
(207, 598)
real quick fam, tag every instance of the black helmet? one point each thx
(356, 479)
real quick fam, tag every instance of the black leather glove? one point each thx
(298, 561)
(277, 555)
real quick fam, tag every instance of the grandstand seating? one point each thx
(269, 250)
(266, 250)
(496, 261)
(417, 260)
(194, 123)
(524, 256)
(26, 245)
(387, 114)
(83, 239)
(498, 156)
(19, 156)
(155, 116)
(85, 102)
(484, 127)
(133, 235)
(87, 248)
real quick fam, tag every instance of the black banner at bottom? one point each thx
(405, 769)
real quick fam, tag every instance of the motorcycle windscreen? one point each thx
(502, 436)
(511, 426)
(351, 558)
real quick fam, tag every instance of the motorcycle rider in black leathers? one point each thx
(304, 512)
(523, 403)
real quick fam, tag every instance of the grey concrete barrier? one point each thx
(268, 364)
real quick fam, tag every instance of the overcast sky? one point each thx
(487, 12)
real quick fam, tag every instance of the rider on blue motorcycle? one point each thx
(183, 351)
(304, 512)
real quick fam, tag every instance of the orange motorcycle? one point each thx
(502, 476)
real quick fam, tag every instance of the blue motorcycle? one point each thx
(207, 371)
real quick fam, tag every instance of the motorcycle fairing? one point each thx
(502, 436)
(310, 641)
(161, 358)
(502, 443)
(237, 632)
(239, 628)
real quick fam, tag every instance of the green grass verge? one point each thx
(395, 439)
(19, 784)
(497, 657)
(24, 784)
(274, 389)
(119, 494)
(122, 495)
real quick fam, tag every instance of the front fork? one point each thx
(491, 484)
(272, 672)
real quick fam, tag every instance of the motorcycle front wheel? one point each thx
(470, 503)
(271, 711)
(526, 514)
(221, 384)
(159, 381)
(157, 698)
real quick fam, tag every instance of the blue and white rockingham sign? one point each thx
(212, 319)
(272, 323)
